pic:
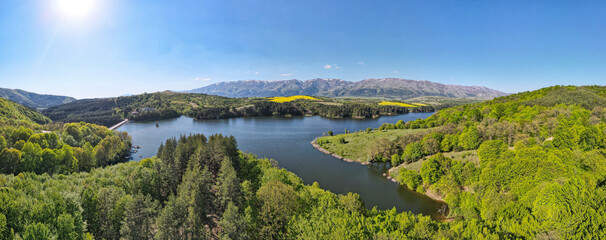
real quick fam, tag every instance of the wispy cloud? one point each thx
(286, 74)
(252, 72)
(202, 79)
(331, 66)
(396, 71)
(361, 63)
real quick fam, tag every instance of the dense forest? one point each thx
(539, 169)
(12, 114)
(165, 105)
(196, 188)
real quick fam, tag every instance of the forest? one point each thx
(196, 188)
(539, 171)
(539, 165)
(165, 105)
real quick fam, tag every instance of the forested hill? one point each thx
(526, 166)
(164, 105)
(34, 100)
(392, 88)
(12, 113)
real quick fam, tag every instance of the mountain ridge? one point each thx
(34, 100)
(392, 88)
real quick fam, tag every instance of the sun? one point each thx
(75, 8)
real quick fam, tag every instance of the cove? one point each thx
(287, 140)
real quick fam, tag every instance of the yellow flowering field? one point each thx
(291, 98)
(397, 104)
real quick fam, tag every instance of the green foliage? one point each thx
(409, 178)
(412, 152)
(470, 138)
(433, 168)
(277, 203)
(14, 114)
(232, 224)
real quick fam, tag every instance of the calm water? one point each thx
(287, 140)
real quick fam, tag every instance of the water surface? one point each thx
(287, 140)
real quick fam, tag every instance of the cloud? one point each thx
(361, 63)
(252, 72)
(202, 79)
(286, 74)
(331, 66)
(396, 71)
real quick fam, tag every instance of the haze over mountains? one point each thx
(393, 88)
(34, 100)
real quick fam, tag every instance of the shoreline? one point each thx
(387, 174)
(315, 144)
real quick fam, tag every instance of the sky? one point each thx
(118, 47)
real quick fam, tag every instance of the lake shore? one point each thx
(315, 144)
(387, 174)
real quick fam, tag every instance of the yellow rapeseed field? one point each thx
(291, 98)
(397, 104)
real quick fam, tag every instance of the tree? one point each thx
(470, 138)
(330, 133)
(400, 124)
(186, 213)
(228, 185)
(432, 170)
(85, 156)
(409, 178)
(90, 212)
(412, 152)
(352, 203)
(30, 159)
(140, 218)
(9, 160)
(37, 231)
(491, 151)
(277, 202)
(50, 160)
(232, 224)
(65, 227)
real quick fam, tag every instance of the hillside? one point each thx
(529, 166)
(12, 113)
(34, 100)
(164, 105)
(392, 88)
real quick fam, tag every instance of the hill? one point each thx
(529, 165)
(12, 113)
(34, 100)
(164, 105)
(391, 88)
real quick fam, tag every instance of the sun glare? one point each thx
(75, 8)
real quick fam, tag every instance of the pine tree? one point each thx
(228, 185)
(232, 224)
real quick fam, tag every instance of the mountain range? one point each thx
(34, 100)
(392, 88)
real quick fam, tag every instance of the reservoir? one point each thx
(287, 140)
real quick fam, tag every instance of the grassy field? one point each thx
(291, 98)
(356, 144)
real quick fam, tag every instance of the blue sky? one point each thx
(135, 46)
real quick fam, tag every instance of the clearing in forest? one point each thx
(357, 145)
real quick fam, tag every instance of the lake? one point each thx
(287, 140)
